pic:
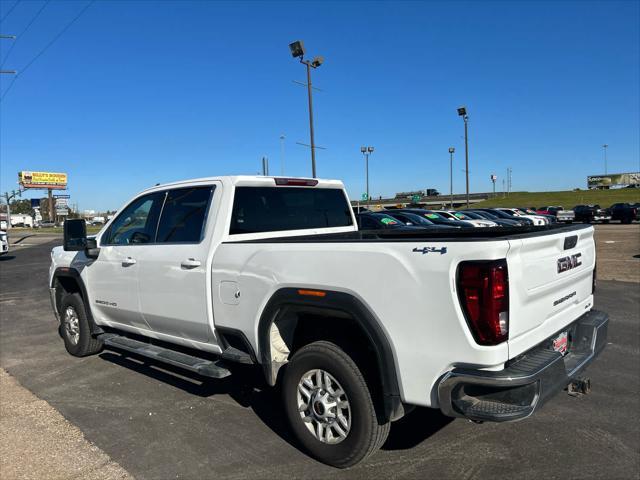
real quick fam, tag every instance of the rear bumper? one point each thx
(527, 381)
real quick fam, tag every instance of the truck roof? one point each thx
(247, 180)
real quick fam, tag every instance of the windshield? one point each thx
(447, 215)
(434, 216)
(417, 219)
(462, 216)
(474, 216)
(386, 220)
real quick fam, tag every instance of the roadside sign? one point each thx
(61, 196)
(35, 202)
(63, 212)
(62, 202)
(364, 196)
(415, 198)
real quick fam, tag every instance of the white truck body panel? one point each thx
(411, 294)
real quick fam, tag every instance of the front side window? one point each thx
(272, 209)
(184, 215)
(137, 222)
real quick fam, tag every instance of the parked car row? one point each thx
(412, 218)
(622, 212)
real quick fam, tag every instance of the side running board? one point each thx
(201, 366)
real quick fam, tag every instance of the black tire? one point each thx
(366, 434)
(86, 344)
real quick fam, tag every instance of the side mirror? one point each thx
(75, 235)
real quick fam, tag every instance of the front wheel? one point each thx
(330, 407)
(75, 328)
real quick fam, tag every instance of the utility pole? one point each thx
(604, 147)
(282, 137)
(366, 151)
(10, 196)
(265, 166)
(504, 193)
(297, 51)
(451, 152)
(462, 111)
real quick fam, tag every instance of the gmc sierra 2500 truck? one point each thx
(273, 272)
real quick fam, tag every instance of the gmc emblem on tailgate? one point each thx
(567, 263)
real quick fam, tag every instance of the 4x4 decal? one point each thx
(425, 250)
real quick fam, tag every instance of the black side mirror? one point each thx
(75, 235)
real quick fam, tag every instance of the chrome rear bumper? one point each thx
(527, 381)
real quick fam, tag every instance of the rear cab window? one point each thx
(184, 215)
(274, 209)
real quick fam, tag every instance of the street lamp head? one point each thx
(297, 49)
(317, 61)
(462, 111)
(370, 149)
(451, 149)
(363, 149)
(605, 145)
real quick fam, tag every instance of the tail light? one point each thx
(483, 291)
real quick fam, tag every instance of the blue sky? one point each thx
(136, 93)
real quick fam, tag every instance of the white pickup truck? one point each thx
(356, 327)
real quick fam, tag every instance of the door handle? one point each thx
(190, 263)
(128, 261)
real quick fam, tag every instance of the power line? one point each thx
(46, 47)
(23, 32)
(9, 12)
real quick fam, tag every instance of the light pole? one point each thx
(462, 111)
(451, 152)
(604, 147)
(282, 137)
(297, 51)
(366, 151)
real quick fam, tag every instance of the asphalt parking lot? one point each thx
(158, 423)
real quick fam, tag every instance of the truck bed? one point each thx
(441, 235)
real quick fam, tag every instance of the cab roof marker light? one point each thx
(296, 182)
(312, 293)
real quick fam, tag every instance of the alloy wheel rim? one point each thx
(324, 407)
(72, 325)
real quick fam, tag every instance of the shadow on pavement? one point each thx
(246, 386)
(5, 258)
(415, 427)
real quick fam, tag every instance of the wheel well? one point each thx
(296, 327)
(64, 285)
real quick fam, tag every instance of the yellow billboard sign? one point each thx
(57, 181)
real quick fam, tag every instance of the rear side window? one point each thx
(272, 209)
(184, 215)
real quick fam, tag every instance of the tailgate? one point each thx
(550, 284)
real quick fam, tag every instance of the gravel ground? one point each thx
(36, 442)
(618, 250)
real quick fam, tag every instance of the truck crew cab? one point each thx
(273, 272)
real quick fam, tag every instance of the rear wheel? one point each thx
(75, 328)
(330, 407)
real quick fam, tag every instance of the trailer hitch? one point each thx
(579, 386)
